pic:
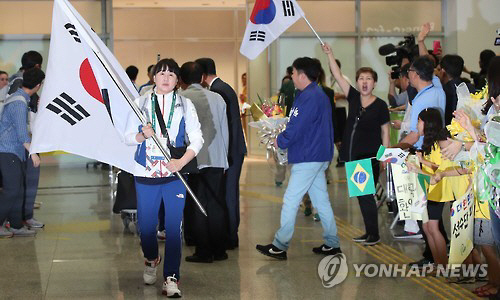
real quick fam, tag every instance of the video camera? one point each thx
(406, 48)
(497, 39)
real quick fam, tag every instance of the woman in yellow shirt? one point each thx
(443, 188)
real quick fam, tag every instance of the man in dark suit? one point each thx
(237, 146)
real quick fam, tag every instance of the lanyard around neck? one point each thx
(424, 90)
(172, 107)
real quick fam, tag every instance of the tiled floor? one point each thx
(84, 251)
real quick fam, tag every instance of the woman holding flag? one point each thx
(366, 129)
(173, 119)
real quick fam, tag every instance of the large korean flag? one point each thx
(269, 19)
(82, 110)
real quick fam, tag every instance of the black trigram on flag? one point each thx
(257, 35)
(72, 30)
(288, 9)
(65, 107)
(401, 155)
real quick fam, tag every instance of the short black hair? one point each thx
(289, 70)
(208, 65)
(484, 59)
(132, 72)
(33, 77)
(191, 72)
(308, 66)
(3, 72)
(424, 67)
(150, 68)
(453, 65)
(30, 59)
(166, 64)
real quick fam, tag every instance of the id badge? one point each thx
(156, 153)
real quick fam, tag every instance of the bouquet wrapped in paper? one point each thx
(269, 129)
(267, 108)
(471, 104)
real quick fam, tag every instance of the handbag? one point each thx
(176, 152)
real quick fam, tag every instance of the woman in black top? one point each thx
(366, 129)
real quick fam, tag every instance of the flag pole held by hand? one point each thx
(126, 94)
(314, 31)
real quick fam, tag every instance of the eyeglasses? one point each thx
(411, 69)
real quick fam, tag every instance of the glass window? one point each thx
(11, 52)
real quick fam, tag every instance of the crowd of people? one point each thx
(427, 85)
(196, 116)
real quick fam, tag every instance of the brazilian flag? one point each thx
(359, 175)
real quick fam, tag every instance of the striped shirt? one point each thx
(14, 125)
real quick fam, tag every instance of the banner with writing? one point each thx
(462, 227)
(411, 191)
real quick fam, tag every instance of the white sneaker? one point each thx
(23, 231)
(33, 223)
(149, 274)
(170, 288)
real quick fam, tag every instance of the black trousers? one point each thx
(12, 195)
(340, 120)
(209, 233)
(368, 205)
(232, 187)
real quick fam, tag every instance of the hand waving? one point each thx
(426, 28)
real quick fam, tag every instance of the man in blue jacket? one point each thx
(309, 140)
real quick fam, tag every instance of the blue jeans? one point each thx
(305, 178)
(149, 197)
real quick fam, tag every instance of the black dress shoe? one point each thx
(219, 257)
(199, 259)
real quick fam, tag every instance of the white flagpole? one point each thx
(314, 31)
(127, 96)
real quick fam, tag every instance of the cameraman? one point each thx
(399, 101)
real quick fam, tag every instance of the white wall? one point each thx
(477, 22)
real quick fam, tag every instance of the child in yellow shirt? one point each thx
(443, 188)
